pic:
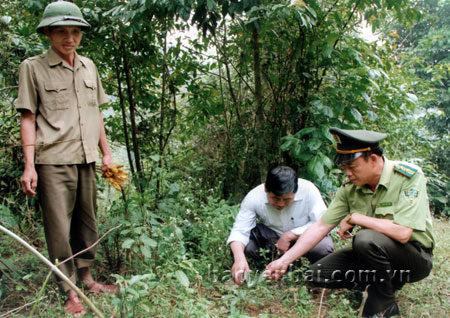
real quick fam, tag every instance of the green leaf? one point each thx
(331, 39)
(211, 5)
(327, 162)
(304, 131)
(356, 114)
(178, 233)
(326, 51)
(182, 278)
(127, 243)
(412, 98)
(366, 97)
(155, 158)
(146, 251)
(315, 167)
(287, 144)
(314, 144)
(148, 241)
(297, 151)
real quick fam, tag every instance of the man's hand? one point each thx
(238, 271)
(284, 242)
(107, 161)
(344, 229)
(29, 181)
(276, 269)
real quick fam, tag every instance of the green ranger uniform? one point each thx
(374, 258)
(401, 196)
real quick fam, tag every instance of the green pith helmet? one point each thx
(62, 13)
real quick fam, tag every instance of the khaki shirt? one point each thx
(66, 103)
(400, 196)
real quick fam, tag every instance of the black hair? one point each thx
(375, 151)
(281, 180)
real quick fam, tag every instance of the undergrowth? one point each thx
(170, 260)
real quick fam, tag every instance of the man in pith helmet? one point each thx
(388, 200)
(61, 129)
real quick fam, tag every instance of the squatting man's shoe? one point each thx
(390, 311)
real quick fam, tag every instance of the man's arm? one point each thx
(240, 265)
(304, 244)
(395, 231)
(104, 146)
(28, 136)
(284, 242)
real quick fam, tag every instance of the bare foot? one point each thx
(97, 287)
(74, 306)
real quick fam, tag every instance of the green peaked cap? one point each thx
(352, 143)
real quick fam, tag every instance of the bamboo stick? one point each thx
(54, 269)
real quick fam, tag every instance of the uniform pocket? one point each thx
(91, 92)
(56, 95)
(385, 212)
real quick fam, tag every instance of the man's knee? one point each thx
(365, 240)
(252, 250)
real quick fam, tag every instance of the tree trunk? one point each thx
(131, 102)
(122, 107)
(260, 127)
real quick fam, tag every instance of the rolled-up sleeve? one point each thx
(244, 223)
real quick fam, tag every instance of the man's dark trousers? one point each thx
(375, 260)
(264, 238)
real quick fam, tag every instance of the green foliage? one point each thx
(423, 55)
(199, 121)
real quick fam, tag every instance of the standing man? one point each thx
(388, 200)
(287, 206)
(61, 129)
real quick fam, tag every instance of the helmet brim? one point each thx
(63, 21)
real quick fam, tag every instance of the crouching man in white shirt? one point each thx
(286, 205)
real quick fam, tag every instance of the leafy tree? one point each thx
(423, 53)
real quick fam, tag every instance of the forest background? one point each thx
(199, 119)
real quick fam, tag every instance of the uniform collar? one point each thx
(54, 59)
(388, 170)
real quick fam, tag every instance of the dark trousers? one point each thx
(375, 260)
(262, 237)
(67, 195)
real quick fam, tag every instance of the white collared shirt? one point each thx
(307, 208)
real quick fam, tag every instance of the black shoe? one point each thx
(391, 311)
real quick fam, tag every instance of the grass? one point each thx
(213, 294)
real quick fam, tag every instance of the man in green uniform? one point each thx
(61, 130)
(388, 200)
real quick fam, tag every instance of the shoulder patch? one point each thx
(346, 181)
(405, 170)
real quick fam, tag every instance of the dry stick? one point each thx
(4, 273)
(81, 252)
(6, 314)
(363, 302)
(321, 302)
(54, 269)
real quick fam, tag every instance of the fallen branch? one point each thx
(4, 273)
(321, 302)
(54, 268)
(6, 314)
